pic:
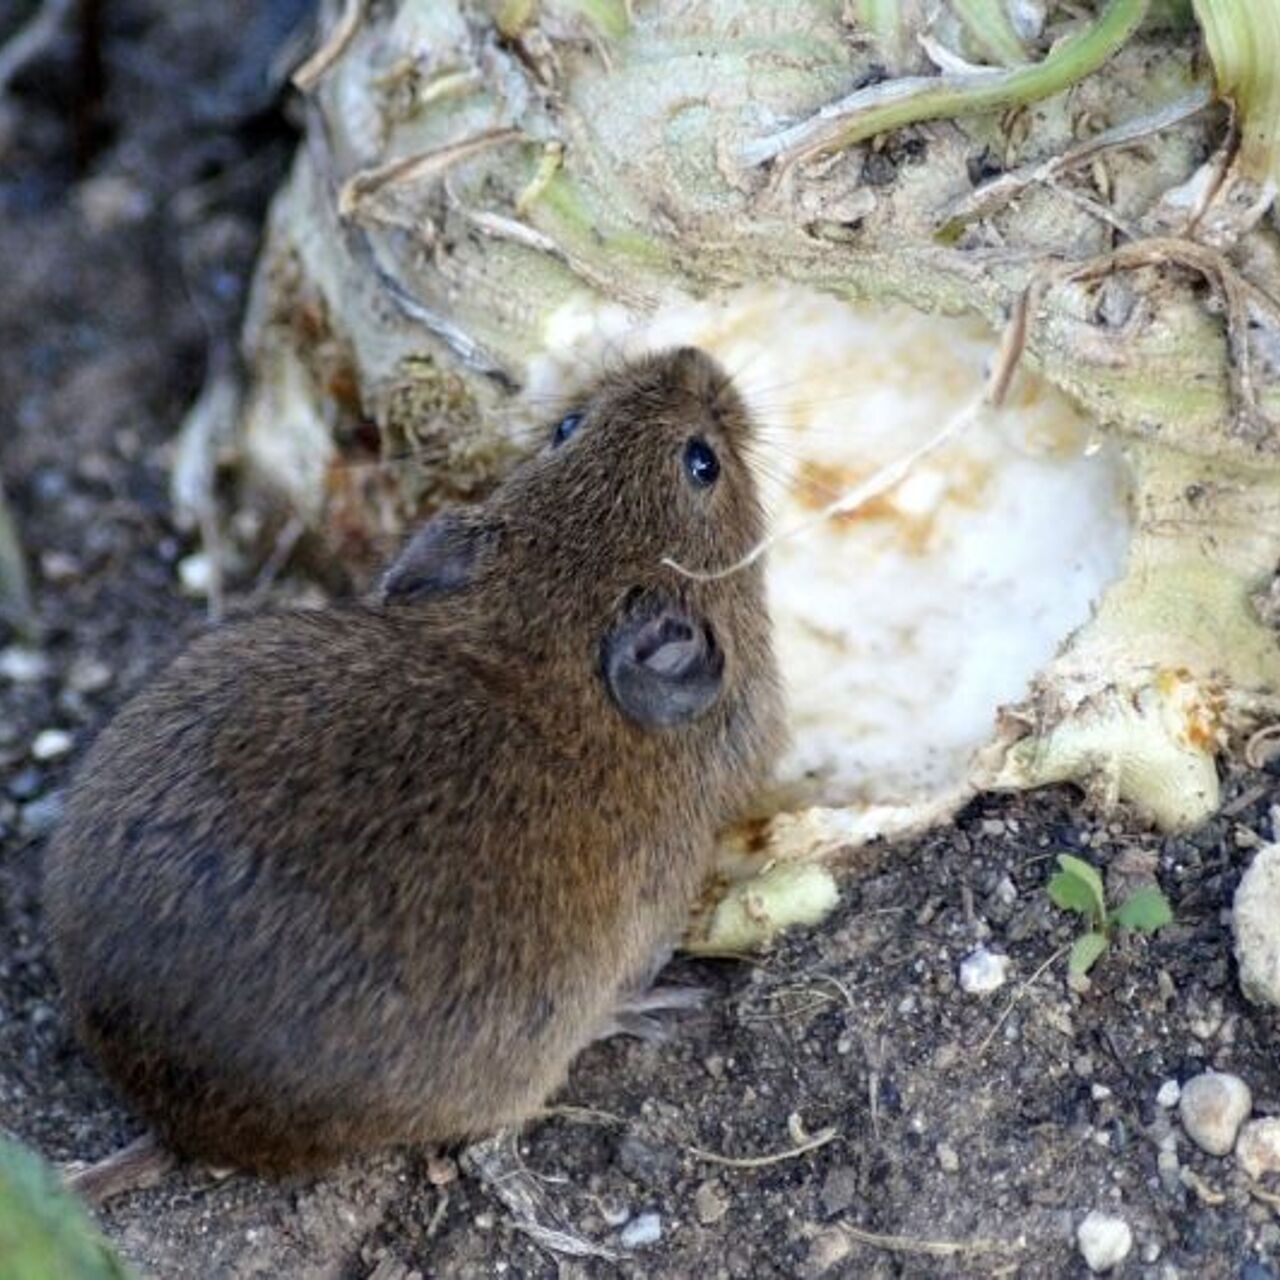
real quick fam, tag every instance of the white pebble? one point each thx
(1104, 1241)
(983, 972)
(1253, 918)
(1258, 1147)
(23, 666)
(948, 1160)
(50, 744)
(1213, 1106)
(195, 573)
(644, 1229)
(1168, 1094)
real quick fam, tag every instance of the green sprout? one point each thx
(1078, 887)
(45, 1233)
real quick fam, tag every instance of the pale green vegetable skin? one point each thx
(628, 166)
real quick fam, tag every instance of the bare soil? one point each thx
(133, 183)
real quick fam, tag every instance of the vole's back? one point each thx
(330, 876)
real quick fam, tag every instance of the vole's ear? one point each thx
(441, 557)
(662, 665)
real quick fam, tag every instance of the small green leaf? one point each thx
(1070, 894)
(45, 1233)
(1146, 909)
(1085, 952)
(1080, 870)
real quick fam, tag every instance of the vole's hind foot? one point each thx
(640, 1015)
(141, 1164)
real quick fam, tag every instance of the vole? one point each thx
(374, 874)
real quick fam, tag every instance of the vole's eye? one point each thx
(565, 428)
(701, 464)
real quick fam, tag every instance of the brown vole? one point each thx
(373, 875)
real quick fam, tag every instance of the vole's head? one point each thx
(649, 467)
(649, 464)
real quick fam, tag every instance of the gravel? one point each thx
(1253, 918)
(1104, 1240)
(1213, 1106)
(643, 1230)
(983, 972)
(1258, 1147)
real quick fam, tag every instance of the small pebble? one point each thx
(1168, 1094)
(26, 783)
(983, 972)
(109, 201)
(89, 675)
(1213, 1106)
(441, 1171)
(23, 666)
(614, 1212)
(644, 1229)
(709, 1205)
(1258, 1147)
(195, 574)
(1253, 916)
(1104, 1241)
(947, 1158)
(1099, 1092)
(51, 744)
(59, 568)
(840, 1189)
(829, 1248)
(41, 816)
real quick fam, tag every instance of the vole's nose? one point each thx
(696, 372)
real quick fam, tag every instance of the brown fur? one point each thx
(374, 874)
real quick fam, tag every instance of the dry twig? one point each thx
(32, 39)
(309, 74)
(930, 1248)
(1017, 996)
(819, 1139)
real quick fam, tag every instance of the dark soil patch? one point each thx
(130, 221)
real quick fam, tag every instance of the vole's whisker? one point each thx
(882, 480)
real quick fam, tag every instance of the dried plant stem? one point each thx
(930, 1248)
(307, 76)
(423, 166)
(895, 103)
(1017, 996)
(995, 195)
(819, 1139)
(31, 40)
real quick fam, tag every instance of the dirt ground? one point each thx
(132, 185)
